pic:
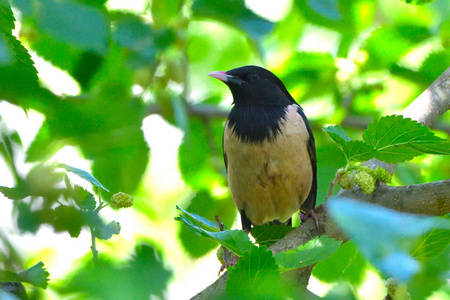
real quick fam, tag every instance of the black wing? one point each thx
(310, 202)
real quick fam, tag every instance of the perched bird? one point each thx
(268, 148)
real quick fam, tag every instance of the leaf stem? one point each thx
(93, 246)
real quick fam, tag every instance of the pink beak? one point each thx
(221, 75)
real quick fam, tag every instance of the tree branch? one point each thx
(427, 198)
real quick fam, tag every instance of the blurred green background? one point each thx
(120, 88)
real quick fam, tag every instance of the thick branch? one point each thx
(427, 198)
(432, 103)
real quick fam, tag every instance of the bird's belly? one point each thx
(269, 180)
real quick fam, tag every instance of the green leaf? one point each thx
(234, 13)
(209, 206)
(346, 264)
(66, 218)
(62, 21)
(142, 275)
(268, 235)
(357, 151)
(432, 244)
(44, 145)
(324, 13)
(234, 240)
(337, 134)
(80, 64)
(18, 79)
(130, 32)
(83, 174)
(433, 274)
(6, 57)
(14, 193)
(6, 17)
(36, 275)
(385, 237)
(311, 74)
(83, 199)
(255, 276)
(397, 139)
(341, 291)
(310, 253)
(418, 2)
(165, 12)
(434, 65)
(353, 150)
(195, 157)
(106, 231)
(388, 44)
(27, 220)
(199, 220)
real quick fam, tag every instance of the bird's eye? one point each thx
(252, 77)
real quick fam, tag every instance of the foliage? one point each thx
(391, 139)
(351, 63)
(392, 241)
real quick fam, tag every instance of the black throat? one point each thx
(255, 124)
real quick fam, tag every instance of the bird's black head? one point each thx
(255, 86)
(260, 101)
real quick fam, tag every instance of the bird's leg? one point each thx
(305, 214)
(229, 258)
(246, 223)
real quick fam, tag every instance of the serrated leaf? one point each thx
(144, 274)
(384, 236)
(37, 275)
(337, 134)
(62, 21)
(255, 276)
(268, 235)
(433, 275)
(310, 253)
(67, 218)
(27, 220)
(357, 151)
(83, 199)
(353, 150)
(106, 231)
(431, 244)
(204, 203)
(6, 57)
(83, 174)
(205, 223)
(6, 17)
(13, 193)
(234, 240)
(18, 79)
(346, 264)
(396, 139)
(234, 13)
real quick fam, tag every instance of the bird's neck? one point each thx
(256, 123)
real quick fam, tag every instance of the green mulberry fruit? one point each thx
(347, 180)
(383, 175)
(365, 181)
(368, 169)
(121, 200)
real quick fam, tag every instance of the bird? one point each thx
(268, 148)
